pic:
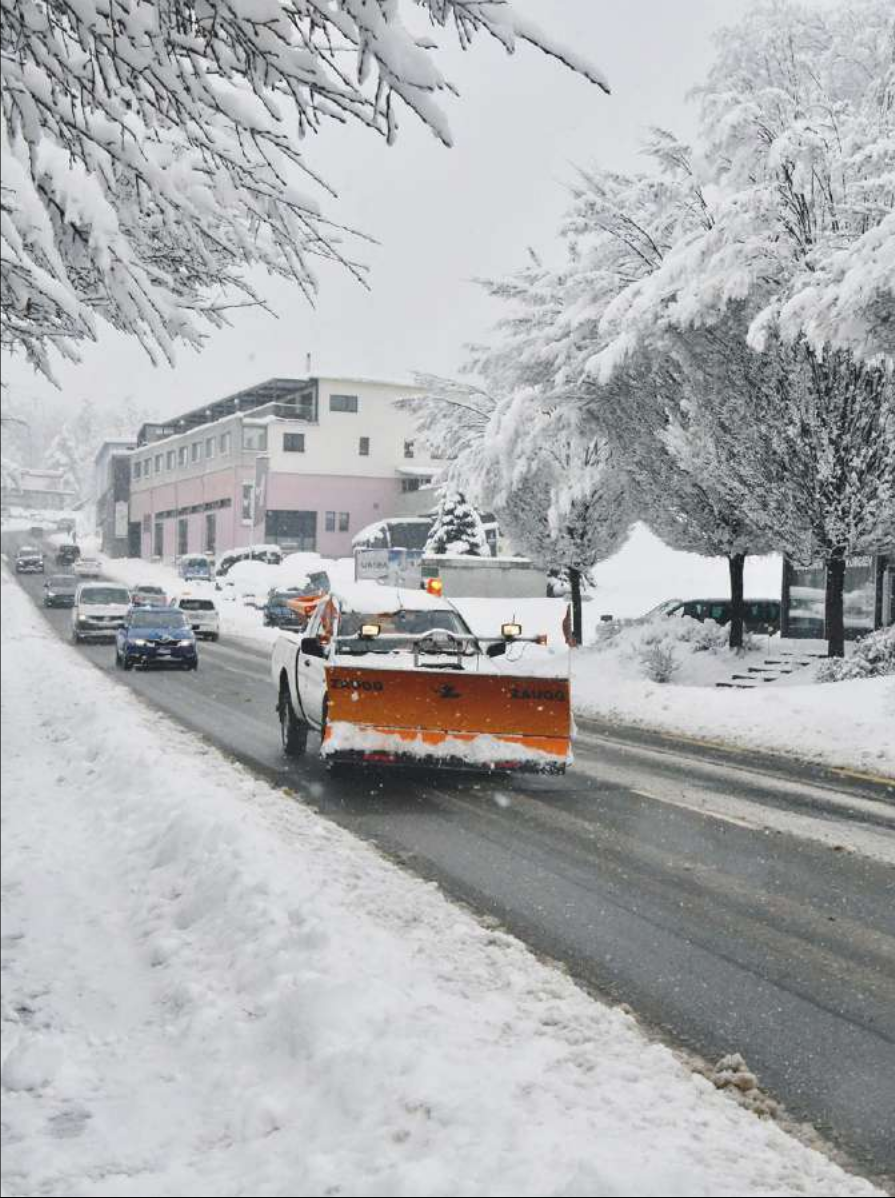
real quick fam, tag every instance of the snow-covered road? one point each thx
(287, 1013)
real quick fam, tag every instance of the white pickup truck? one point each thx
(396, 677)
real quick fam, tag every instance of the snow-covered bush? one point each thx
(659, 661)
(874, 655)
(698, 636)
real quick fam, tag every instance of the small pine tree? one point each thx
(458, 527)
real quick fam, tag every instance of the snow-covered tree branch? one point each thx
(152, 152)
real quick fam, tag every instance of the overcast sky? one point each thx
(442, 217)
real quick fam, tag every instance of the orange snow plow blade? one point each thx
(453, 719)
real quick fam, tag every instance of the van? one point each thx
(759, 615)
(99, 610)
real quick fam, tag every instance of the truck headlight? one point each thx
(187, 640)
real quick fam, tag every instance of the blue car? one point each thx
(156, 636)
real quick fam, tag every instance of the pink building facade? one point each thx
(303, 463)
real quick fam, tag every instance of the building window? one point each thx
(195, 451)
(137, 467)
(343, 521)
(363, 447)
(224, 442)
(254, 437)
(408, 449)
(329, 522)
(210, 532)
(159, 462)
(294, 442)
(414, 484)
(171, 459)
(181, 455)
(158, 540)
(343, 403)
(248, 493)
(147, 523)
(292, 529)
(209, 447)
(183, 536)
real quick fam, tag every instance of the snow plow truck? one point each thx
(395, 677)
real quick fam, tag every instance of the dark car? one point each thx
(759, 615)
(149, 596)
(59, 590)
(279, 614)
(29, 560)
(67, 555)
(156, 636)
(292, 607)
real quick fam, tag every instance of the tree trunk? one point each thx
(575, 584)
(735, 564)
(834, 616)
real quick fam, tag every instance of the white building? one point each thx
(303, 463)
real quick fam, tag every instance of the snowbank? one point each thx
(211, 990)
(838, 723)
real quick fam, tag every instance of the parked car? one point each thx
(271, 554)
(88, 567)
(278, 612)
(59, 590)
(149, 596)
(99, 610)
(156, 636)
(201, 612)
(29, 560)
(67, 554)
(759, 615)
(292, 607)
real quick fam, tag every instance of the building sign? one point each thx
(121, 520)
(393, 567)
(259, 505)
(370, 565)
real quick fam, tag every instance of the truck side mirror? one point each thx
(311, 645)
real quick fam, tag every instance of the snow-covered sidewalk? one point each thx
(209, 990)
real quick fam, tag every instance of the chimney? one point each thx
(308, 365)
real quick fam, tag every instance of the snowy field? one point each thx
(209, 990)
(846, 724)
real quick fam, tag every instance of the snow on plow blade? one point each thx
(455, 720)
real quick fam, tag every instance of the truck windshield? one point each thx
(405, 620)
(105, 595)
(158, 619)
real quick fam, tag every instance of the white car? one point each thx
(201, 613)
(88, 567)
(99, 611)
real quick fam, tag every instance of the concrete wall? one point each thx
(487, 577)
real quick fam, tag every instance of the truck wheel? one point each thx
(214, 636)
(293, 731)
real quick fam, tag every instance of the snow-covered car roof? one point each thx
(371, 597)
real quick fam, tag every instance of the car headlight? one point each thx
(141, 643)
(187, 640)
(82, 619)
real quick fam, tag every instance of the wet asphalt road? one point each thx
(658, 872)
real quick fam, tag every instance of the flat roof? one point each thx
(272, 390)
